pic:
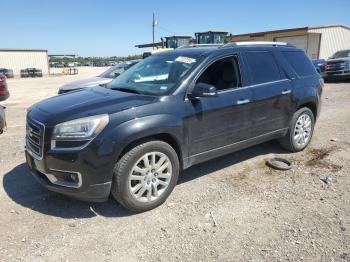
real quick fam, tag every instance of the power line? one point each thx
(166, 30)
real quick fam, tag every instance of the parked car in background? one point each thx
(4, 94)
(320, 65)
(31, 72)
(7, 72)
(133, 138)
(338, 66)
(101, 79)
(2, 119)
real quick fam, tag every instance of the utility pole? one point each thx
(154, 23)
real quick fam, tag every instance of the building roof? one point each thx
(64, 55)
(213, 31)
(255, 34)
(326, 26)
(179, 36)
(22, 50)
(156, 44)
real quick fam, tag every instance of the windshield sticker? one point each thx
(186, 60)
(163, 88)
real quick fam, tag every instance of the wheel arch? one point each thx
(164, 137)
(310, 105)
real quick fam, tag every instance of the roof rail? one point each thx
(255, 43)
(199, 45)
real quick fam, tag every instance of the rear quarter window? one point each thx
(300, 62)
(262, 66)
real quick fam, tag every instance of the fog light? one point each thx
(74, 178)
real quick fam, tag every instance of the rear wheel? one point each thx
(300, 131)
(145, 176)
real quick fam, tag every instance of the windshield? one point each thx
(204, 39)
(155, 75)
(340, 54)
(219, 38)
(117, 70)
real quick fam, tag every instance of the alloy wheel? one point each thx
(150, 176)
(302, 130)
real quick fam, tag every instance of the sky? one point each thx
(112, 27)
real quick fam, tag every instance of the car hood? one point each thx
(87, 102)
(88, 82)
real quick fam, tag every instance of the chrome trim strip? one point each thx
(285, 92)
(54, 180)
(242, 102)
(69, 149)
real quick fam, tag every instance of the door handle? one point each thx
(285, 92)
(243, 101)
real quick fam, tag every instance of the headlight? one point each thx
(80, 129)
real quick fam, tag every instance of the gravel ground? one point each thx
(233, 208)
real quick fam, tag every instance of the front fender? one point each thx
(124, 134)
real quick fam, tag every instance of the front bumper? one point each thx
(4, 97)
(85, 185)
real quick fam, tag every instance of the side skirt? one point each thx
(217, 152)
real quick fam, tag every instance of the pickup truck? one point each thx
(338, 66)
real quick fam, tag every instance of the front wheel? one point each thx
(145, 176)
(300, 130)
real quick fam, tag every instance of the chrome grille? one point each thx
(35, 138)
(339, 65)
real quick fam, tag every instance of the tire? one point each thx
(289, 142)
(124, 174)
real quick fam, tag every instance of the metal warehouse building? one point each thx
(17, 59)
(319, 42)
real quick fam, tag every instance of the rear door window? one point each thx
(300, 62)
(262, 66)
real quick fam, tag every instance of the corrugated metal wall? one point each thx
(333, 39)
(310, 45)
(17, 60)
(266, 36)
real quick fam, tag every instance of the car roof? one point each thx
(209, 50)
(190, 51)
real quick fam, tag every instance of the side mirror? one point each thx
(203, 90)
(318, 70)
(116, 74)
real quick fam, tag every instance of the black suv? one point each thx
(31, 72)
(167, 113)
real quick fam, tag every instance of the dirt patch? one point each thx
(318, 159)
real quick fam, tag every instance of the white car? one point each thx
(102, 79)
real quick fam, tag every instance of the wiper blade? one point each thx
(125, 89)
